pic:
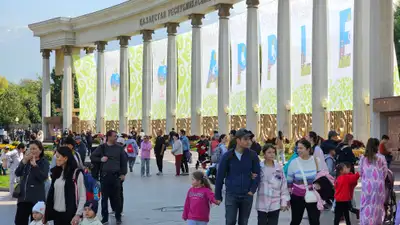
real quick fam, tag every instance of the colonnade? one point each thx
(372, 75)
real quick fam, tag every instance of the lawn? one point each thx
(4, 181)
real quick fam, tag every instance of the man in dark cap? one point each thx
(331, 143)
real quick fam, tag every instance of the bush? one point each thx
(48, 155)
(15, 143)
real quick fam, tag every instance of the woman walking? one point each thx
(145, 147)
(33, 171)
(280, 147)
(14, 158)
(373, 171)
(316, 151)
(177, 151)
(67, 194)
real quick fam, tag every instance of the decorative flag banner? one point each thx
(135, 54)
(85, 73)
(209, 37)
(238, 26)
(158, 106)
(340, 57)
(184, 44)
(301, 55)
(111, 62)
(396, 83)
(269, 49)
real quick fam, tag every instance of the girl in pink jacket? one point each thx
(145, 147)
(198, 200)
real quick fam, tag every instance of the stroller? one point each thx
(390, 201)
(212, 174)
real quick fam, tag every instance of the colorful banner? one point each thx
(184, 44)
(238, 26)
(396, 83)
(301, 56)
(340, 55)
(85, 73)
(209, 37)
(135, 54)
(111, 66)
(269, 49)
(158, 102)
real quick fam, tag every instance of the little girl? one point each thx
(37, 213)
(198, 199)
(273, 194)
(90, 211)
(344, 188)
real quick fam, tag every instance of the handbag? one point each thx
(309, 197)
(17, 191)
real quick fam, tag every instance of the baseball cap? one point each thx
(243, 133)
(332, 133)
(78, 138)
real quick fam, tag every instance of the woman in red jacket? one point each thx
(344, 188)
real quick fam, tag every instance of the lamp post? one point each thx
(16, 119)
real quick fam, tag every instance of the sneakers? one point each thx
(118, 221)
(159, 174)
(104, 222)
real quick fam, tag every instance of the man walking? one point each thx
(113, 170)
(240, 169)
(159, 149)
(186, 153)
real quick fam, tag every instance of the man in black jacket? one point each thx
(113, 170)
(159, 149)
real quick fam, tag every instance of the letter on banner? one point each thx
(242, 56)
(272, 50)
(344, 57)
(305, 66)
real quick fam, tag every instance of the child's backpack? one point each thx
(130, 148)
(216, 155)
(91, 185)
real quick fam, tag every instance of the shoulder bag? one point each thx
(310, 196)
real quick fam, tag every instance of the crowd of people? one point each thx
(320, 175)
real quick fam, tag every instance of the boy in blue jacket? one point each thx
(236, 168)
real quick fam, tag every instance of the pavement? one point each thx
(158, 200)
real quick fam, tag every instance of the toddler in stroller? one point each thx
(391, 216)
(202, 147)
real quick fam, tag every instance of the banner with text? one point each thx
(158, 105)
(184, 45)
(269, 47)
(238, 26)
(209, 37)
(135, 54)
(301, 55)
(111, 66)
(340, 56)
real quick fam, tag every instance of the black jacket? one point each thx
(344, 154)
(117, 159)
(329, 145)
(32, 180)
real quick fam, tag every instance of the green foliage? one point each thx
(396, 33)
(48, 155)
(3, 84)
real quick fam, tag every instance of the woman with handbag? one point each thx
(67, 194)
(33, 171)
(301, 174)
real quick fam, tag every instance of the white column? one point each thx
(361, 59)
(46, 101)
(101, 89)
(381, 52)
(284, 116)
(224, 68)
(147, 80)
(253, 67)
(172, 81)
(124, 84)
(67, 88)
(196, 93)
(319, 66)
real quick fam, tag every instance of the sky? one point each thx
(20, 56)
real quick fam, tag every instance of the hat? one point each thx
(243, 133)
(39, 207)
(78, 138)
(332, 133)
(93, 205)
(121, 140)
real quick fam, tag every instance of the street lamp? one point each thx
(16, 119)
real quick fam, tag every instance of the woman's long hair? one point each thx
(221, 137)
(371, 149)
(314, 137)
(70, 164)
(198, 175)
(347, 139)
(280, 135)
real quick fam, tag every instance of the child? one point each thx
(344, 187)
(201, 150)
(131, 150)
(37, 213)
(197, 204)
(273, 194)
(331, 162)
(90, 212)
(146, 147)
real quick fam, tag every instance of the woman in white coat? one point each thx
(14, 157)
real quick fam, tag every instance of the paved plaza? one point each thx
(158, 200)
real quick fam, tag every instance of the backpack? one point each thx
(342, 156)
(91, 186)
(216, 155)
(97, 166)
(130, 148)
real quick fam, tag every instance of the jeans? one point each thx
(195, 222)
(111, 189)
(235, 203)
(13, 181)
(131, 163)
(159, 159)
(268, 218)
(184, 164)
(145, 165)
(298, 205)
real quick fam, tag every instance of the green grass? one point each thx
(4, 181)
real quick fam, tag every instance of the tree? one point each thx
(3, 84)
(11, 106)
(56, 90)
(396, 33)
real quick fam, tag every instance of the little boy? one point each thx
(331, 162)
(37, 213)
(90, 212)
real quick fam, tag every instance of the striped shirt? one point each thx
(294, 175)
